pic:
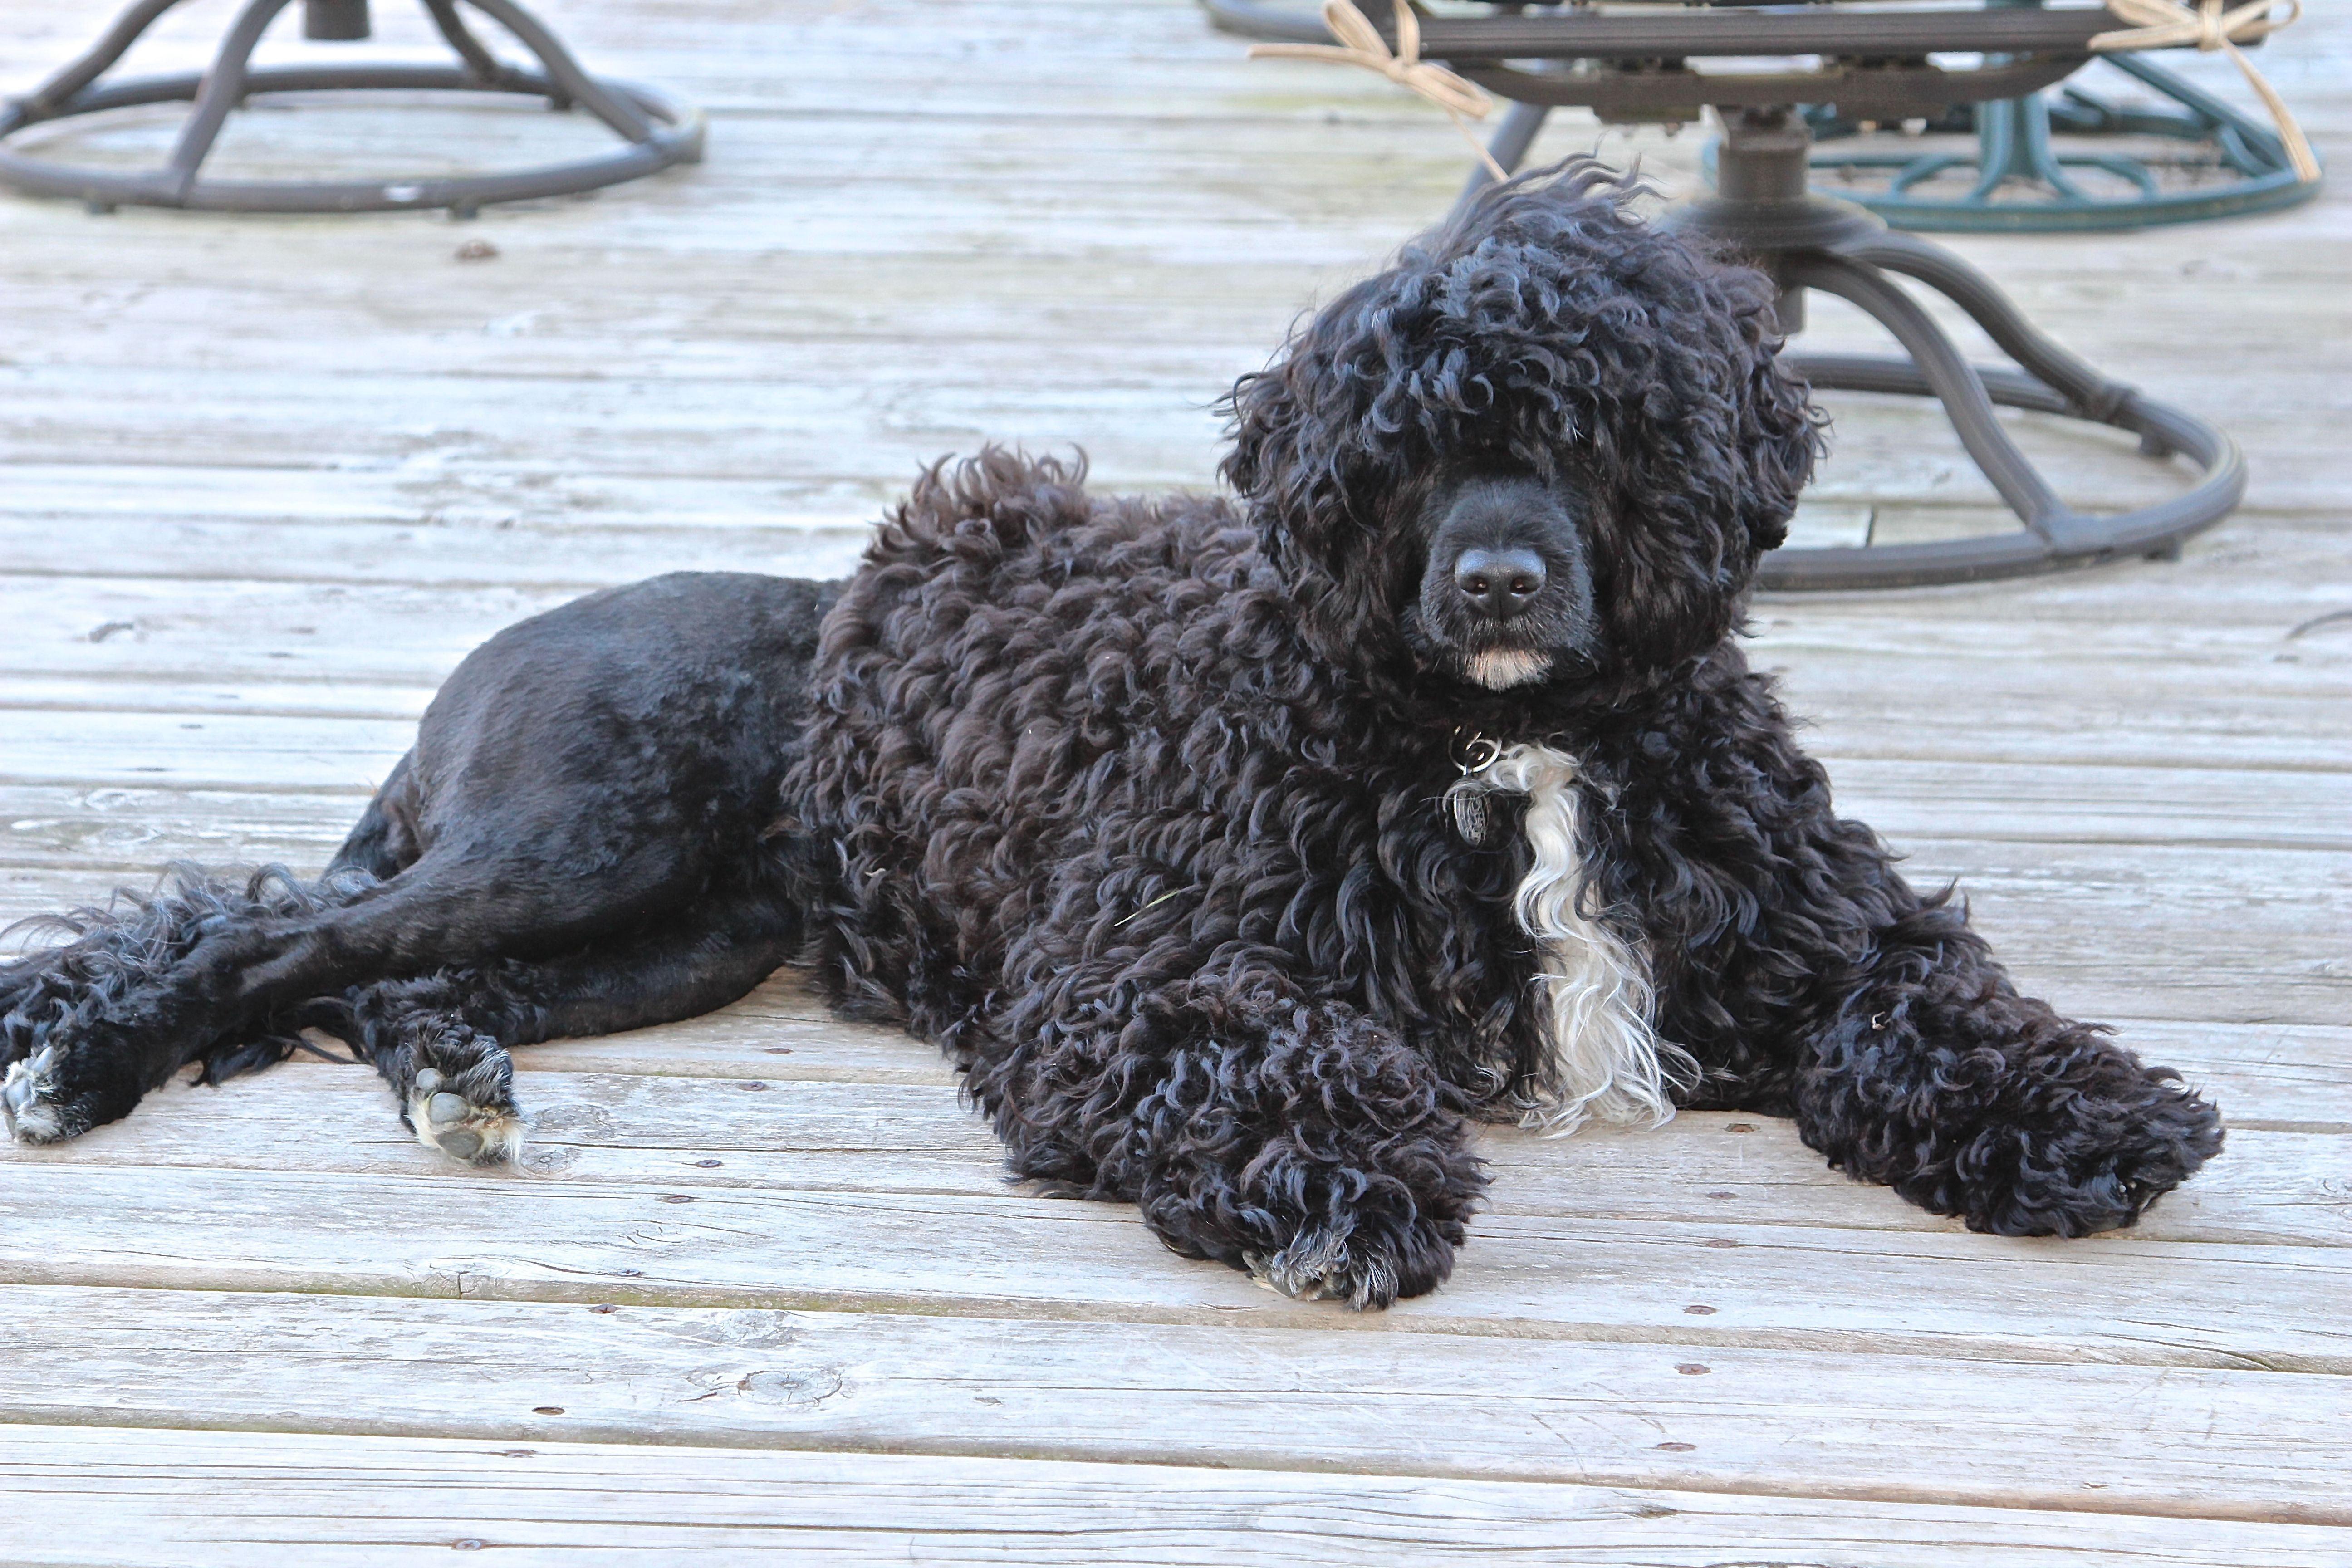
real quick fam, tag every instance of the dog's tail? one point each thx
(94, 957)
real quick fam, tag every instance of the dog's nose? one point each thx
(1499, 584)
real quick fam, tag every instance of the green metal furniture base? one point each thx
(2025, 185)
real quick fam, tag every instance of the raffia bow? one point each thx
(2168, 24)
(1360, 44)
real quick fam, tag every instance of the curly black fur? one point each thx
(1136, 807)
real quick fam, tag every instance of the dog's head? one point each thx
(1549, 442)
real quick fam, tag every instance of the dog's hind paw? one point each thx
(460, 1096)
(29, 1099)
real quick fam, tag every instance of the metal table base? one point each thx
(1763, 210)
(656, 131)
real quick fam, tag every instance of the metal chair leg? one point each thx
(486, 67)
(656, 131)
(43, 102)
(2052, 381)
(1764, 211)
(2093, 397)
(1520, 125)
(624, 117)
(222, 89)
(1953, 382)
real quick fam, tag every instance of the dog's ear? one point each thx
(1780, 430)
(1324, 448)
(1705, 441)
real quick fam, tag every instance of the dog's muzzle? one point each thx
(1506, 595)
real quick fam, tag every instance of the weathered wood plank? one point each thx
(2182, 748)
(220, 750)
(1529, 1276)
(2121, 1439)
(2281, 1076)
(1145, 426)
(2230, 692)
(520, 527)
(2278, 1076)
(821, 1135)
(129, 1499)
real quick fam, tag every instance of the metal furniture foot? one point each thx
(656, 130)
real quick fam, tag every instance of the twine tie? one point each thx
(1360, 44)
(2168, 24)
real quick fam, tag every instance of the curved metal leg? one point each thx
(2058, 383)
(2260, 139)
(1953, 381)
(52, 94)
(2013, 143)
(1805, 241)
(2154, 531)
(485, 66)
(222, 89)
(2092, 394)
(624, 118)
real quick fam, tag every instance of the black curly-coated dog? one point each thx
(1240, 853)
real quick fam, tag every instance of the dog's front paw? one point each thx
(460, 1097)
(2097, 1166)
(30, 1100)
(1366, 1265)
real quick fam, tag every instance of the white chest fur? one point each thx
(1603, 1060)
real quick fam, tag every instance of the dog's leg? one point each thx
(1297, 1140)
(1808, 976)
(437, 1041)
(201, 973)
(441, 1041)
(68, 1016)
(594, 771)
(1938, 1078)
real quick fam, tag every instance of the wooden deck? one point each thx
(761, 1293)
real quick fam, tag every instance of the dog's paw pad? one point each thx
(29, 1098)
(465, 1107)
